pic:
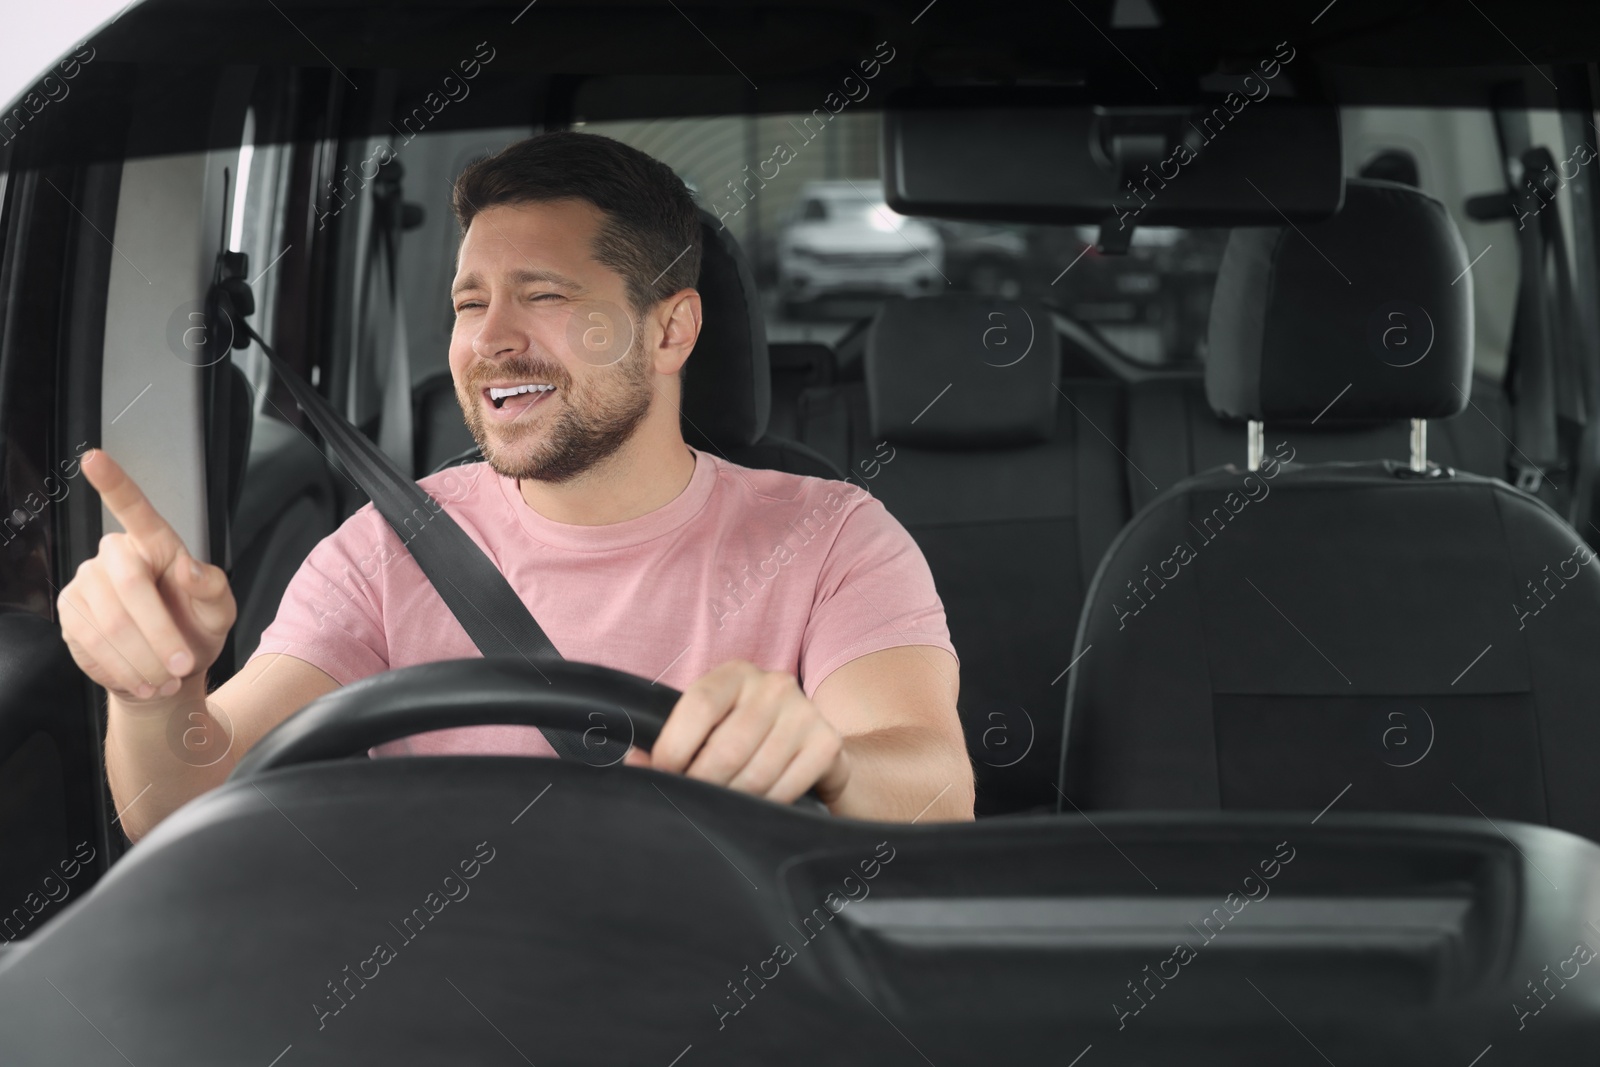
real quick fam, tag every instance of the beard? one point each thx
(595, 419)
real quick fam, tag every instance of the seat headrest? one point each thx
(727, 383)
(961, 371)
(1371, 307)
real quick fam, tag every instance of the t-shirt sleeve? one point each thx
(875, 591)
(331, 615)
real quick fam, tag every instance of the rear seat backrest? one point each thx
(990, 462)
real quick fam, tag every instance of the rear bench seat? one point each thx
(1008, 478)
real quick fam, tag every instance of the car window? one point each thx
(256, 227)
(1452, 154)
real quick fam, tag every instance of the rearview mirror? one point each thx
(1238, 162)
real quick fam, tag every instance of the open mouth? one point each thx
(510, 401)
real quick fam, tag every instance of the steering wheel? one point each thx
(608, 709)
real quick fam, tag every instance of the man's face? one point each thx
(550, 368)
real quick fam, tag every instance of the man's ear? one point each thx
(679, 318)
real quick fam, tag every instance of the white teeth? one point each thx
(501, 394)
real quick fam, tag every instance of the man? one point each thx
(796, 615)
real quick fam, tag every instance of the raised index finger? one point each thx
(128, 504)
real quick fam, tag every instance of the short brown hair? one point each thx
(651, 232)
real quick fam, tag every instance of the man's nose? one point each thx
(499, 334)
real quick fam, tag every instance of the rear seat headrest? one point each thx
(727, 383)
(1000, 360)
(1374, 299)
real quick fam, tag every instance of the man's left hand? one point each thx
(751, 730)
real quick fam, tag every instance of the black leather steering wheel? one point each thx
(608, 709)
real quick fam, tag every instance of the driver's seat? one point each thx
(727, 383)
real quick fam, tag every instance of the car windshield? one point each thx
(798, 533)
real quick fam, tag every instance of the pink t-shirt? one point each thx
(791, 573)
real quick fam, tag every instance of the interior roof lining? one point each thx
(152, 64)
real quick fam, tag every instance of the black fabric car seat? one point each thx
(1008, 478)
(437, 428)
(1390, 639)
(727, 383)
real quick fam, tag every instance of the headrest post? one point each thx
(1419, 444)
(1256, 443)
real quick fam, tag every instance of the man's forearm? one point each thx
(904, 774)
(162, 754)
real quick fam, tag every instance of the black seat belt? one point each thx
(1550, 387)
(471, 586)
(1544, 378)
(1531, 369)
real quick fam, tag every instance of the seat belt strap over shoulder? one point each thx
(468, 582)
